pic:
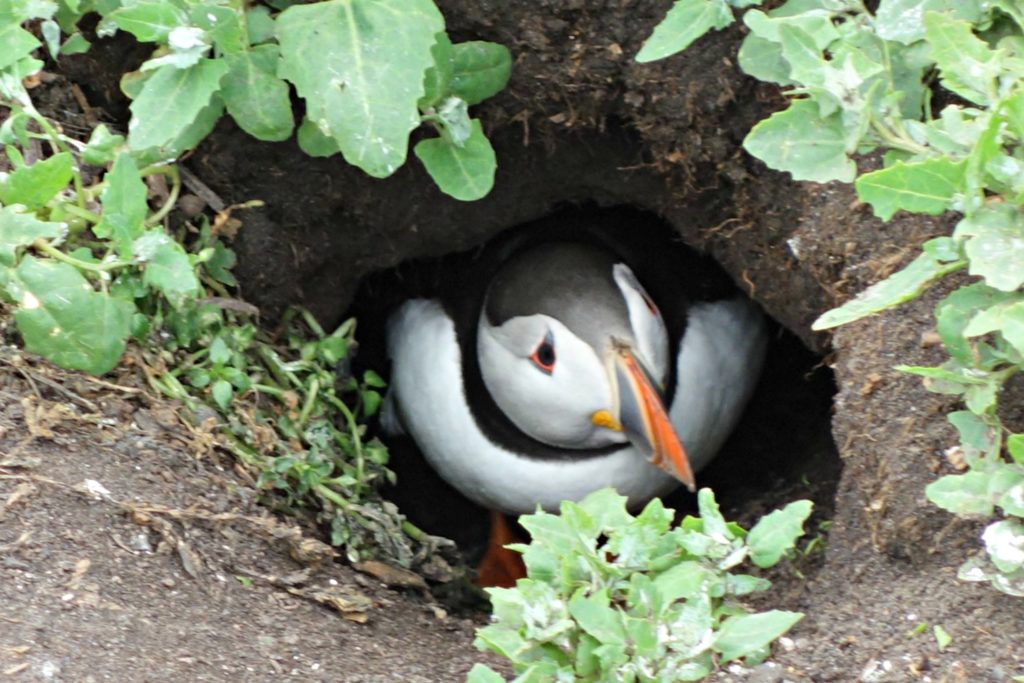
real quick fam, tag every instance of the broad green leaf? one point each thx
(744, 635)
(928, 186)
(37, 184)
(596, 616)
(607, 507)
(313, 142)
(967, 65)
(101, 146)
(63, 319)
(799, 141)
(995, 246)
(437, 81)
(902, 20)
(763, 60)
(769, 26)
(1015, 447)
(124, 205)
(807, 65)
(20, 230)
(255, 97)
(684, 581)
(777, 532)
(18, 44)
(453, 115)
(1012, 500)
(978, 438)
(714, 523)
(223, 27)
(148, 21)
(1004, 541)
(479, 70)
(222, 393)
(188, 46)
(172, 100)
(259, 24)
(376, 52)
(685, 22)
(167, 266)
(899, 287)
(956, 310)
(51, 36)
(481, 673)
(465, 173)
(75, 44)
(962, 494)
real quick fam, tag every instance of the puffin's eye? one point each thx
(544, 355)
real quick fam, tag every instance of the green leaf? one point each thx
(942, 639)
(172, 100)
(465, 173)
(777, 532)
(376, 52)
(928, 186)
(37, 184)
(996, 245)
(479, 70)
(102, 146)
(168, 268)
(978, 438)
(150, 22)
(901, 20)
(221, 25)
(481, 673)
(962, 494)
(1015, 447)
(255, 97)
(222, 393)
(899, 287)
(595, 615)
(607, 508)
(763, 59)
(437, 80)
(20, 230)
(685, 22)
(259, 24)
(18, 44)
(314, 142)
(683, 581)
(124, 205)
(967, 65)
(744, 635)
(799, 141)
(1004, 541)
(62, 318)
(956, 310)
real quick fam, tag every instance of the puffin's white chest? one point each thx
(719, 361)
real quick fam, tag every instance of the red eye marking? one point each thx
(544, 355)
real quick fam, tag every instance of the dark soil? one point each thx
(580, 123)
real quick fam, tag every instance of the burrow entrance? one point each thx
(781, 450)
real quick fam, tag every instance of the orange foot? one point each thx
(500, 567)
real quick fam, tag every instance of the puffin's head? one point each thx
(573, 351)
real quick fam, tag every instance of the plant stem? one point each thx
(55, 253)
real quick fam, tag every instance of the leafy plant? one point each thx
(369, 71)
(613, 597)
(938, 88)
(88, 266)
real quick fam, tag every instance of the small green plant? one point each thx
(613, 597)
(938, 88)
(90, 260)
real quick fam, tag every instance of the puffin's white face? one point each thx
(547, 381)
(552, 384)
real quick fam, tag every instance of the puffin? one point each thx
(565, 359)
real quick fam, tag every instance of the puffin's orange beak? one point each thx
(643, 419)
